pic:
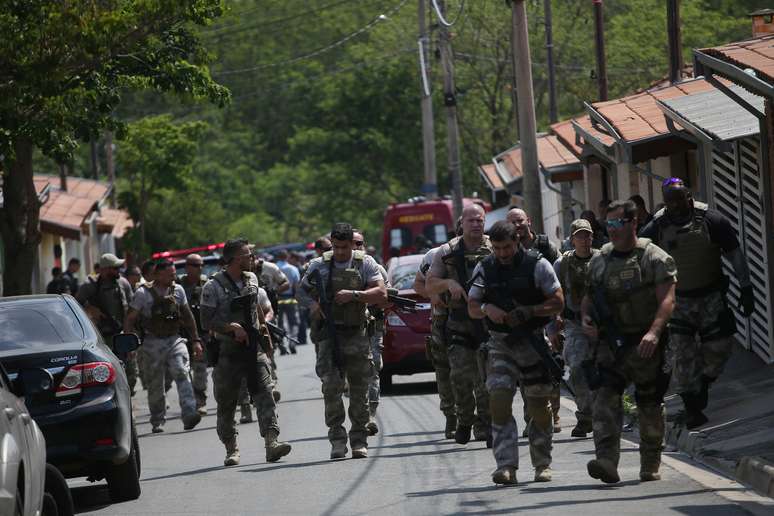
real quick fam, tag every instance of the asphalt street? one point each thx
(411, 468)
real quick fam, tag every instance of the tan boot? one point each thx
(371, 426)
(603, 470)
(247, 414)
(275, 449)
(543, 474)
(649, 469)
(360, 453)
(232, 452)
(505, 476)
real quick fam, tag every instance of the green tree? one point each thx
(64, 67)
(157, 153)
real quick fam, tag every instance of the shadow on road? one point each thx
(90, 498)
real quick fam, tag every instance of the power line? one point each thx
(319, 51)
(440, 14)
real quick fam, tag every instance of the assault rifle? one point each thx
(315, 278)
(280, 333)
(404, 303)
(539, 344)
(254, 339)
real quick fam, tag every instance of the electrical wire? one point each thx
(443, 20)
(319, 51)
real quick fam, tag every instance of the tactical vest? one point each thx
(164, 320)
(195, 297)
(630, 297)
(460, 263)
(573, 273)
(698, 259)
(509, 286)
(352, 314)
(111, 300)
(238, 297)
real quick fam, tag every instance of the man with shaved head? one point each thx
(192, 283)
(529, 240)
(449, 277)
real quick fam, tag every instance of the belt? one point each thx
(347, 327)
(287, 301)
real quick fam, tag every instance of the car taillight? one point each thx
(394, 319)
(86, 375)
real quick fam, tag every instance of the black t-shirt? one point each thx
(720, 230)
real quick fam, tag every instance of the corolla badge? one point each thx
(69, 359)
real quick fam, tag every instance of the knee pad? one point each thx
(539, 411)
(501, 405)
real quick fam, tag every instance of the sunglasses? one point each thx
(358, 243)
(194, 264)
(617, 223)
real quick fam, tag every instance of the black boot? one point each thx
(703, 397)
(694, 417)
(462, 435)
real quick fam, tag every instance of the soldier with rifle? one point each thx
(232, 307)
(451, 272)
(629, 299)
(517, 292)
(192, 282)
(337, 288)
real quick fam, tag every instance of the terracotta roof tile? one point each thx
(68, 210)
(637, 117)
(489, 172)
(115, 221)
(566, 134)
(757, 53)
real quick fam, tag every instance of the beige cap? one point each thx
(580, 225)
(110, 260)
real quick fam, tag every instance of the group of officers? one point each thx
(640, 310)
(648, 307)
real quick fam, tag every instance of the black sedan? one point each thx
(82, 405)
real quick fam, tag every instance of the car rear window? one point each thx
(38, 326)
(402, 276)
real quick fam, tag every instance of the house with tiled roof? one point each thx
(76, 222)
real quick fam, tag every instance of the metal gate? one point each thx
(738, 193)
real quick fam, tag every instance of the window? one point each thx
(38, 326)
(400, 238)
(402, 277)
(436, 233)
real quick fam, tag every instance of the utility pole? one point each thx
(522, 78)
(94, 159)
(450, 101)
(553, 114)
(430, 186)
(599, 36)
(675, 41)
(111, 167)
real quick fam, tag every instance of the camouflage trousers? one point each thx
(439, 355)
(576, 350)
(618, 371)
(227, 379)
(244, 395)
(358, 370)
(470, 394)
(700, 341)
(510, 366)
(161, 357)
(377, 344)
(199, 378)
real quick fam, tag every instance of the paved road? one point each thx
(412, 469)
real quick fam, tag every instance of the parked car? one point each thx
(405, 332)
(22, 456)
(212, 264)
(84, 410)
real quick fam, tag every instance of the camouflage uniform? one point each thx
(231, 368)
(700, 310)
(529, 280)
(376, 337)
(193, 293)
(572, 271)
(112, 298)
(164, 350)
(466, 363)
(354, 346)
(628, 286)
(439, 352)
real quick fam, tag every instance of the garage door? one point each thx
(737, 192)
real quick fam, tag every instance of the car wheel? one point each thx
(57, 493)
(18, 506)
(123, 479)
(385, 382)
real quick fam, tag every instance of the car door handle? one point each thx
(10, 413)
(25, 418)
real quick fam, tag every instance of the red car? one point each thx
(405, 332)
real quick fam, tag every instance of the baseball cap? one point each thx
(110, 260)
(580, 225)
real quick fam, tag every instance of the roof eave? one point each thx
(706, 62)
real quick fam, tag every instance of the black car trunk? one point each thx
(56, 361)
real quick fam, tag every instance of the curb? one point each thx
(755, 472)
(758, 473)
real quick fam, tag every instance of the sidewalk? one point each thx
(738, 440)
